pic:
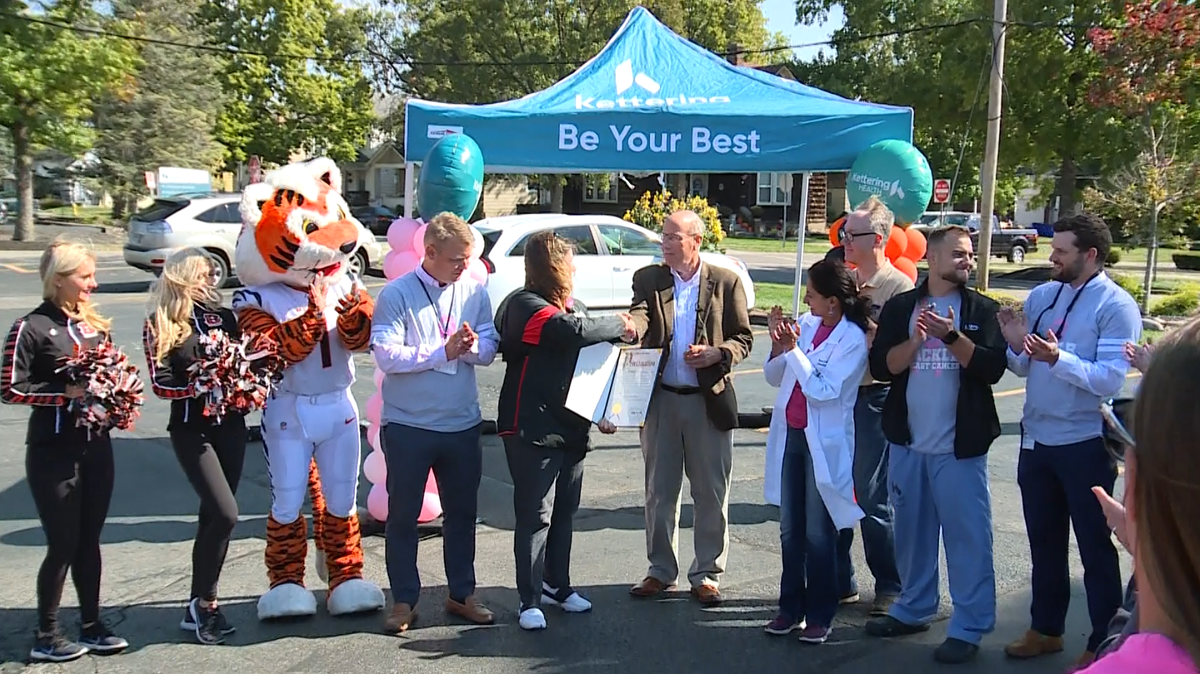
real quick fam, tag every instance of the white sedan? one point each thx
(608, 250)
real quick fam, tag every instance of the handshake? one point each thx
(631, 334)
(460, 342)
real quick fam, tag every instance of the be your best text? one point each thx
(625, 138)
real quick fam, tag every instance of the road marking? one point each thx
(17, 268)
(737, 372)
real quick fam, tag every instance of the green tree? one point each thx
(1151, 74)
(432, 49)
(166, 117)
(49, 77)
(307, 94)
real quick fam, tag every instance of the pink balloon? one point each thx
(373, 437)
(418, 240)
(374, 408)
(478, 271)
(431, 508)
(377, 502)
(400, 234)
(378, 377)
(375, 468)
(431, 484)
(396, 264)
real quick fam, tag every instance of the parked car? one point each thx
(210, 221)
(1011, 243)
(608, 250)
(375, 218)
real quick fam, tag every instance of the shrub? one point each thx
(1131, 285)
(652, 208)
(1179, 304)
(1187, 261)
(1114, 256)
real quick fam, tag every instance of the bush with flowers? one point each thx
(652, 208)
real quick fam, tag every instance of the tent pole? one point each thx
(409, 182)
(798, 292)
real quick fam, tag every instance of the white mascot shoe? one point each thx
(355, 596)
(288, 600)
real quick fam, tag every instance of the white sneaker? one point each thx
(533, 619)
(574, 603)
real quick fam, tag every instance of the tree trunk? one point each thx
(1068, 175)
(23, 155)
(120, 207)
(1151, 262)
(556, 194)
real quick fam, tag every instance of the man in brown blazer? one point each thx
(696, 313)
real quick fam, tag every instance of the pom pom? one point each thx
(234, 376)
(112, 390)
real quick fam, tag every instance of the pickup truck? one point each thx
(1011, 243)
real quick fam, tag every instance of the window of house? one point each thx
(774, 189)
(389, 182)
(598, 191)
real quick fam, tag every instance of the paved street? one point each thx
(147, 545)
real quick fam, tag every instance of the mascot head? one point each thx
(296, 227)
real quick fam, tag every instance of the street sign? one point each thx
(255, 168)
(941, 191)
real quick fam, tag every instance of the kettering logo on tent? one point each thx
(625, 80)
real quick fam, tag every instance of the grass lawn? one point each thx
(767, 295)
(816, 244)
(87, 214)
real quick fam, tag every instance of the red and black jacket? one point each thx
(32, 351)
(170, 380)
(540, 344)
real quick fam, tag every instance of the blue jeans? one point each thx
(807, 588)
(940, 495)
(871, 490)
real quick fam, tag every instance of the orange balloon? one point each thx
(907, 266)
(916, 244)
(896, 245)
(834, 229)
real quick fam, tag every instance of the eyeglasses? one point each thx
(844, 237)
(1117, 437)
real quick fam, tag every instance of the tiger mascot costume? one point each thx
(296, 241)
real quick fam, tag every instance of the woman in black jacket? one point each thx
(211, 451)
(69, 470)
(541, 332)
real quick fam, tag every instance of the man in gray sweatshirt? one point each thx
(431, 328)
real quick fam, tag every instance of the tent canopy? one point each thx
(653, 101)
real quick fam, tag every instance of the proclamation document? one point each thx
(632, 386)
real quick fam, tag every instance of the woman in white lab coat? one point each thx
(817, 363)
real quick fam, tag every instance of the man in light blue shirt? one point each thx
(1070, 345)
(431, 328)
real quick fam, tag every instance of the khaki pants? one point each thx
(678, 438)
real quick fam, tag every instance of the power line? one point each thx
(233, 50)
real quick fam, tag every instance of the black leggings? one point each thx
(212, 458)
(72, 485)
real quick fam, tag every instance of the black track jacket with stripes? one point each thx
(170, 380)
(540, 344)
(34, 346)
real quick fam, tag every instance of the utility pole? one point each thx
(991, 152)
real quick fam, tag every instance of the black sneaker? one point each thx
(188, 624)
(208, 623)
(56, 648)
(100, 640)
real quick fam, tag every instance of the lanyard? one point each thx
(444, 326)
(1071, 305)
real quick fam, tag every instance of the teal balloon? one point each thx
(897, 173)
(451, 177)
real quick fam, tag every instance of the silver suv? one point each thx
(210, 221)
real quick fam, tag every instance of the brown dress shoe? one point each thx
(1084, 660)
(708, 595)
(1033, 644)
(470, 610)
(401, 618)
(650, 587)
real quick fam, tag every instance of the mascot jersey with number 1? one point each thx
(297, 239)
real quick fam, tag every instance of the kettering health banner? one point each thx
(652, 101)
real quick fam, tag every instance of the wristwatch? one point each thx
(950, 338)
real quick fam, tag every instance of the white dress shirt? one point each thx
(687, 295)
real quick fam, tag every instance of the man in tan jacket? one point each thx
(696, 313)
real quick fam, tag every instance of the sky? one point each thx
(781, 17)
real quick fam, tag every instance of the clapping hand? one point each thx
(606, 427)
(460, 342)
(631, 334)
(784, 333)
(350, 302)
(316, 296)
(698, 356)
(934, 324)
(1014, 328)
(1044, 350)
(1139, 356)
